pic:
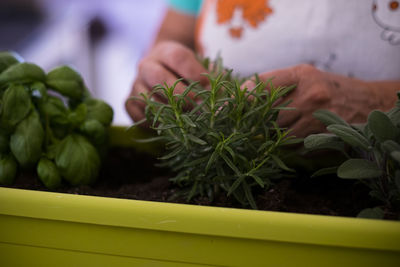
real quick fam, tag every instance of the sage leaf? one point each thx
(358, 169)
(396, 156)
(325, 171)
(66, 81)
(328, 118)
(100, 111)
(6, 60)
(350, 136)
(323, 141)
(26, 141)
(389, 146)
(381, 126)
(16, 105)
(8, 169)
(77, 160)
(48, 173)
(371, 213)
(22, 73)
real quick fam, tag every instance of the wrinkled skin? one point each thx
(167, 62)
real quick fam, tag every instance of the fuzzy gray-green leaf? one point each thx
(328, 118)
(323, 141)
(358, 169)
(350, 136)
(381, 126)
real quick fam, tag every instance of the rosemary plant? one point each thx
(228, 140)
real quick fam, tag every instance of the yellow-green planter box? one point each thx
(53, 229)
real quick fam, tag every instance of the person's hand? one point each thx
(166, 62)
(350, 98)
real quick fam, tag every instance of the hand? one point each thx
(166, 62)
(350, 98)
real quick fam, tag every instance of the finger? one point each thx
(288, 118)
(303, 127)
(153, 73)
(282, 77)
(181, 61)
(134, 107)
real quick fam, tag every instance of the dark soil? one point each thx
(125, 174)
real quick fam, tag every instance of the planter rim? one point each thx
(184, 218)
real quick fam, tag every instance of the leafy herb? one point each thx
(227, 141)
(62, 135)
(372, 152)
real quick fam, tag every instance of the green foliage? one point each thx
(61, 135)
(222, 138)
(372, 151)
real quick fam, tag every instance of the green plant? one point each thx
(372, 151)
(49, 121)
(221, 138)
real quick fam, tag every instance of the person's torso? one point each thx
(359, 38)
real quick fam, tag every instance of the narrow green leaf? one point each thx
(172, 154)
(350, 136)
(249, 195)
(187, 120)
(231, 165)
(257, 179)
(280, 163)
(196, 140)
(235, 184)
(358, 169)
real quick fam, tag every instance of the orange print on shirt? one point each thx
(252, 12)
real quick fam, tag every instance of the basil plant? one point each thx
(49, 122)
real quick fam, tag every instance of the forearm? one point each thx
(178, 27)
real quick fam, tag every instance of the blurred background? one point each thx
(102, 39)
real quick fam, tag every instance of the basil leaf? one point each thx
(26, 141)
(100, 111)
(48, 173)
(66, 81)
(95, 131)
(22, 73)
(77, 160)
(54, 110)
(16, 105)
(4, 141)
(6, 60)
(8, 169)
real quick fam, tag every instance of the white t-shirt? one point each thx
(358, 38)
